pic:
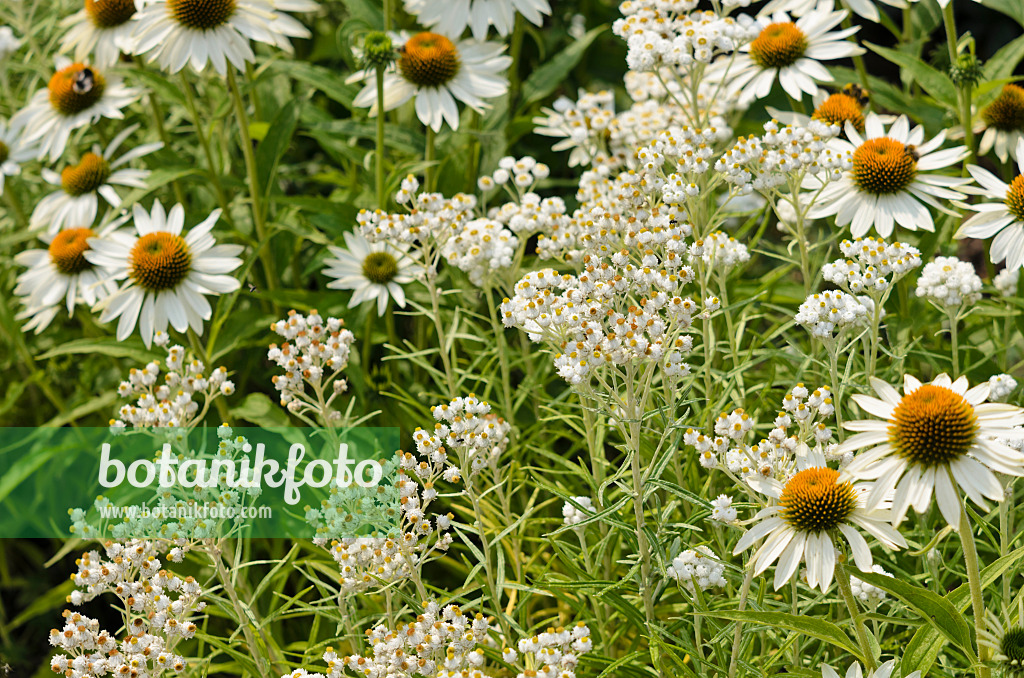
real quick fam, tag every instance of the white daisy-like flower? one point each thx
(13, 152)
(863, 8)
(200, 32)
(790, 52)
(437, 72)
(372, 270)
(883, 671)
(78, 94)
(58, 272)
(1004, 124)
(76, 202)
(452, 16)
(933, 438)
(890, 178)
(1003, 219)
(165, 274)
(812, 508)
(102, 28)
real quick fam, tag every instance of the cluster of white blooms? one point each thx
(314, 353)
(516, 175)
(175, 401)
(869, 261)
(800, 425)
(581, 125)
(865, 592)
(353, 509)
(699, 565)
(572, 516)
(827, 314)
(611, 314)
(531, 214)
(949, 282)
(552, 654)
(441, 643)
(466, 438)
(430, 218)
(480, 247)
(158, 609)
(719, 251)
(722, 510)
(669, 32)
(1000, 387)
(1006, 281)
(769, 161)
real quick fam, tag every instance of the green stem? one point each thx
(737, 633)
(516, 52)
(435, 307)
(204, 355)
(380, 138)
(833, 370)
(955, 339)
(974, 580)
(858, 60)
(240, 612)
(255, 191)
(858, 622)
(428, 157)
(204, 142)
(161, 130)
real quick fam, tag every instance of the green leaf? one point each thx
(1011, 8)
(813, 627)
(366, 11)
(1004, 62)
(323, 79)
(275, 144)
(258, 409)
(931, 80)
(121, 349)
(929, 606)
(545, 79)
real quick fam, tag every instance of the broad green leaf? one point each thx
(323, 79)
(121, 349)
(258, 409)
(1004, 62)
(366, 11)
(275, 144)
(931, 80)
(545, 79)
(929, 606)
(1011, 8)
(809, 626)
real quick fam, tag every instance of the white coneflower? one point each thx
(78, 94)
(76, 202)
(60, 272)
(166, 275)
(930, 440)
(13, 152)
(452, 16)
(1004, 124)
(1003, 219)
(102, 28)
(891, 180)
(373, 271)
(437, 71)
(200, 32)
(855, 671)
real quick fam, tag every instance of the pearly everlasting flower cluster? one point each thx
(158, 607)
(719, 252)
(516, 175)
(573, 516)
(466, 439)
(180, 399)
(431, 218)
(698, 567)
(828, 314)
(313, 355)
(869, 261)
(722, 510)
(865, 592)
(552, 654)
(1000, 386)
(949, 282)
(480, 247)
(1006, 281)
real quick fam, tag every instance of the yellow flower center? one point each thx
(201, 15)
(109, 13)
(5, 152)
(428, 60)
(1007, 111)
(85, 177)
(160, 261)
(67, 250)
(380, 268)
(779, 45)
(882, 166)
(840, 108)
(815, 501)
(1015, 198)
(932, 426)
(76, 88)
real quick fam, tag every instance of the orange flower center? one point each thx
(160, 261)
(882, 166)
(428, 60)
(67, 250)
(85, 177)
(76, 88)
(1015, 198)
(815, 501)
(1007, 111)
(840, 108)
(109, 13)
(933, 426)
(201, 15)
(779, 45)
